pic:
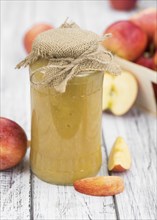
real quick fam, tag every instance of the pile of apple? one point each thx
(134, 40)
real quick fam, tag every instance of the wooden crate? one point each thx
(146, 96)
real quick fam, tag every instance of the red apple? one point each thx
(127, 41)
(147, 20)
(32, 34)
(124, 5)
(146, 62)
(13, 143)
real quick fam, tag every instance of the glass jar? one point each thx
(66, 129)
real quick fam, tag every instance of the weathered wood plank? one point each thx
(53, 202)
(15, 196)
(15, 184)
(63, 202)
(138, 128)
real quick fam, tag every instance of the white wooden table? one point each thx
(25, 197)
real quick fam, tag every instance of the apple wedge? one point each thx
(100, 185)
(120, 158)
(119, 92)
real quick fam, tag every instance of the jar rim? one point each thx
(87, 73)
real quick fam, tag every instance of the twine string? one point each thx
(69, 51)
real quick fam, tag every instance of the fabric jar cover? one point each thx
(69, 50)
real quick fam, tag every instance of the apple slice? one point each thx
(100, 185)
(120, 158)
(119, 92)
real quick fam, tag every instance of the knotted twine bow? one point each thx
(69, 51)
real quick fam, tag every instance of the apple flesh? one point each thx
(128, 40)
(119, 158)
(13, 143)
(32, 34)
(119, 92)
(123, 5)
(147, 20)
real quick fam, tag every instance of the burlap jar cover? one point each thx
(70, 50)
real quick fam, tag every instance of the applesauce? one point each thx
(66, 129)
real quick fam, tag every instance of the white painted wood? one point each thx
(68, 204)
(145, 77)
(138, 129)
(15, 192)
(24, 196)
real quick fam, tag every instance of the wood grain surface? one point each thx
(22, 195)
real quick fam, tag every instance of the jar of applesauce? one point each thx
(66, 129)
(67, 65)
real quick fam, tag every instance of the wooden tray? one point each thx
(146, 97)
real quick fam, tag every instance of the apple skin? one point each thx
(120, 157)
(147, 20)
(13, 143)
(123, 5)
(146, 62)
(128, 40)
(32, 34)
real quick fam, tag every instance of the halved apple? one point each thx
(119, 92)
(120, 158)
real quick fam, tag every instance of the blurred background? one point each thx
(19, 16)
